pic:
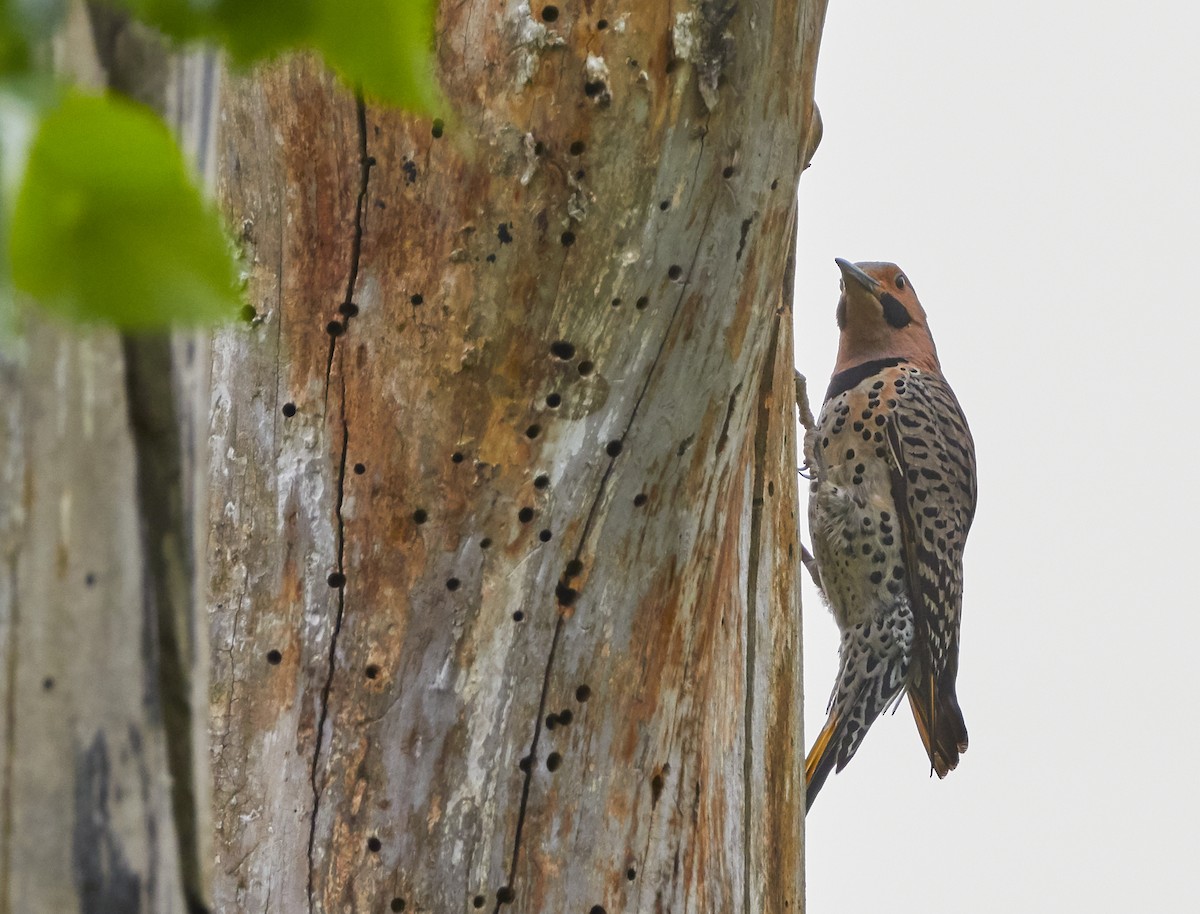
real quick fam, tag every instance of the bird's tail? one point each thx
(940, 723)
(870, 678)
(821, 759)
(843, 733)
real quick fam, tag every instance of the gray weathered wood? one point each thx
(503, 567)
(87, 822)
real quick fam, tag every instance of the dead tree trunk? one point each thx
(503, 473)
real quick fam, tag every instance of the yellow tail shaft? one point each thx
(820, 761)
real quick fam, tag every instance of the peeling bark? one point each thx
(503, 496)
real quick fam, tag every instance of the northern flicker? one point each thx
(893, 494)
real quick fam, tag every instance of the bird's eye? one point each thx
(901, 282)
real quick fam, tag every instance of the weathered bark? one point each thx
(103, 800)
(503, 496)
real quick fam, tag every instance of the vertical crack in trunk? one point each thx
(641, 395)
(525, 786)
(348, 309)
(583, 540)
(323, 716)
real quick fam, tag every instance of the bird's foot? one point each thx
(810, 563)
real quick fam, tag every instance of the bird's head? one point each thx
(880, 317)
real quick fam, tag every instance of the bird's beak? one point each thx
(851, 273)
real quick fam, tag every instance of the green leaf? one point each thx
(109, 227)
(249, 29)
(384, 47)
(21, 102)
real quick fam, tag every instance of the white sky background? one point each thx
(1034, 168)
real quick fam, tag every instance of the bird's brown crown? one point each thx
(881, 318)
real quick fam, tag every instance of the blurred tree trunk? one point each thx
(103, 791)
(503, 485)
